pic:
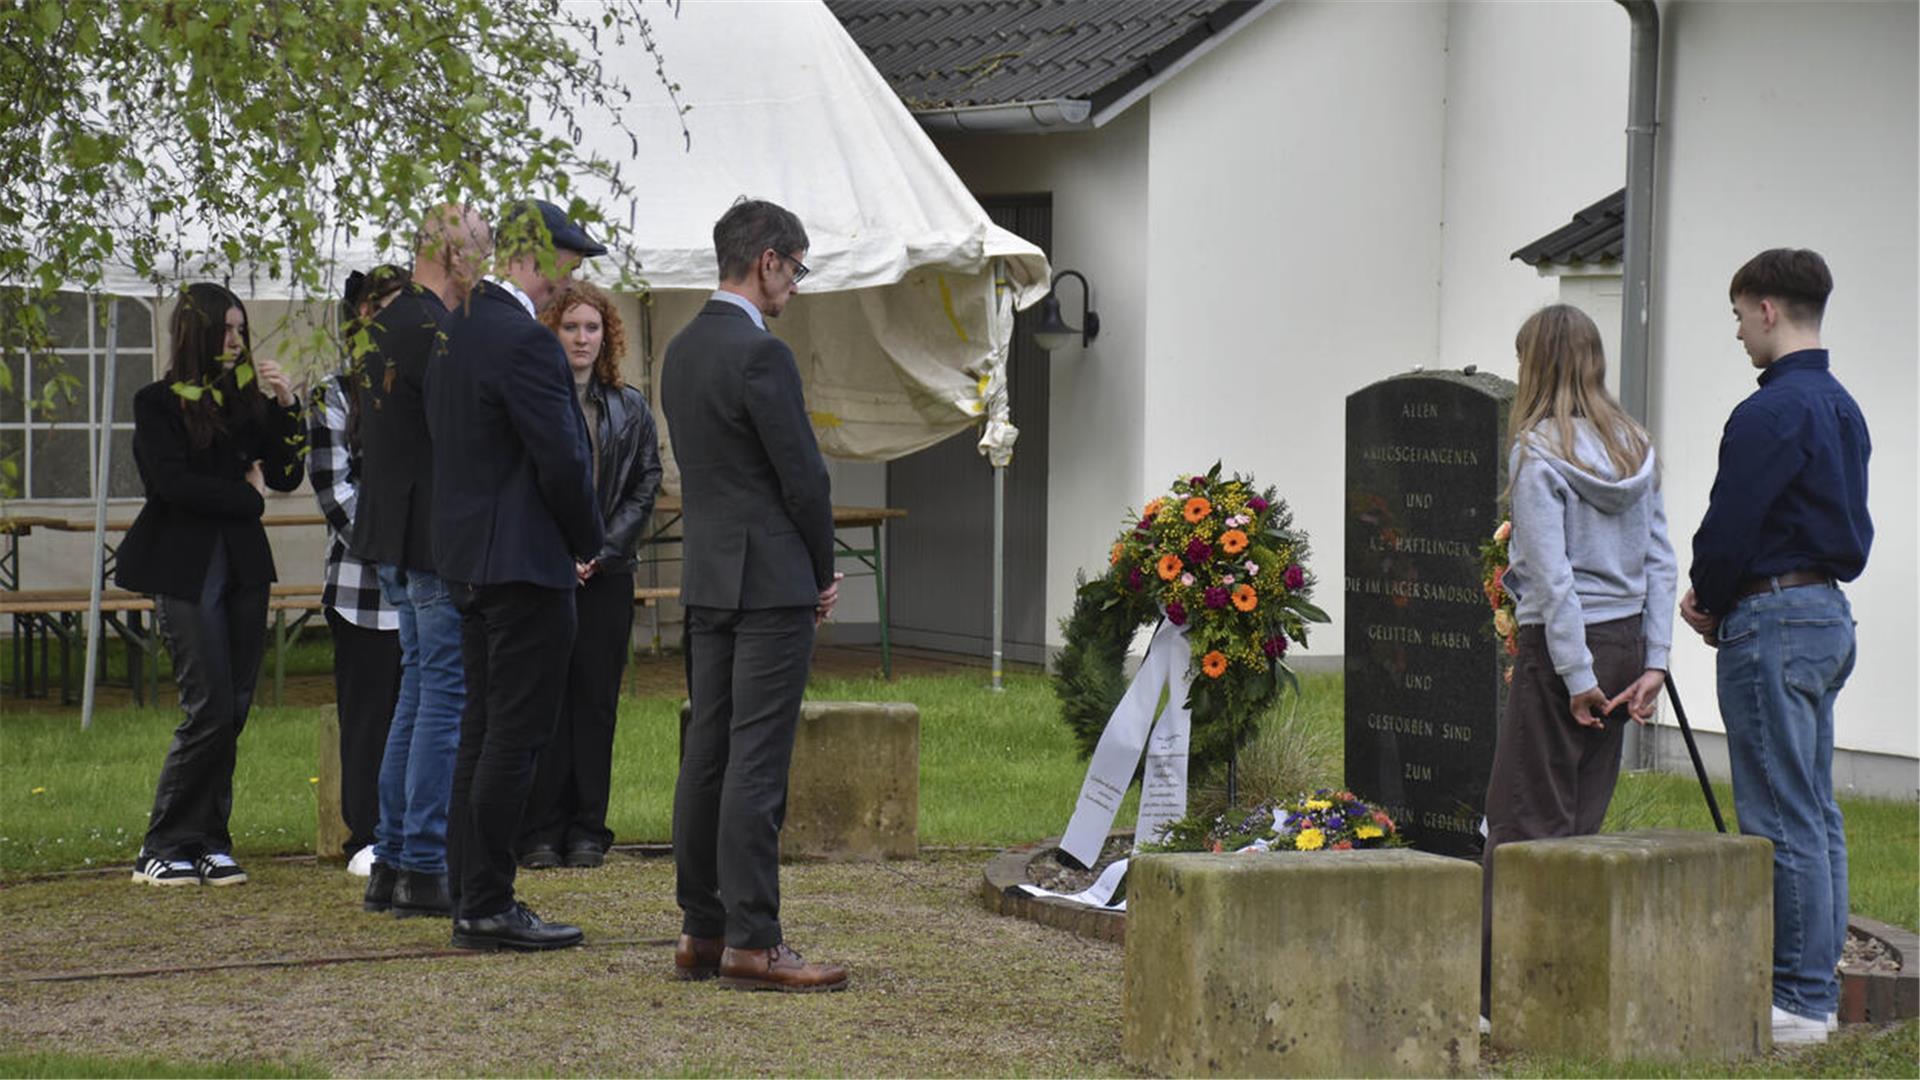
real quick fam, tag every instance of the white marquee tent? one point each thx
(902, 329)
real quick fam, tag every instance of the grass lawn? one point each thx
(942, 987)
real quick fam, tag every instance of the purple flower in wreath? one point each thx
(1135, 579)
(1198, 551)
(1275, 646)
(1177, 614)
(1198, 481)
(1257, 504)
(1296, 577)
(1216, 596)
(1146, 525)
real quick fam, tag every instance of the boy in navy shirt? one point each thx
(1786, 523)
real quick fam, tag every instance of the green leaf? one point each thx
(243, 375)
(1307, 610)
(189, 391)
(50, 16)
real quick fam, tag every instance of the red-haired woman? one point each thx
(566, 816)
(208, 447)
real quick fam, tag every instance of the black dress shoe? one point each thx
(379, 894)
(540, 858)
(515, 928)
(586, 856)
(417, 894)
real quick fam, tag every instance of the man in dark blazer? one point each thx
(393, 529)
(513, 509)
(757, 580)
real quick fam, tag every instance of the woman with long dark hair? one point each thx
(566, 816)
(209, 439)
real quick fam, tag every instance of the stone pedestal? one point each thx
(1648, 946)
(1349, 963)
(853, 788)
(330, 828)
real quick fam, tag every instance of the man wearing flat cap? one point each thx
(513, 509)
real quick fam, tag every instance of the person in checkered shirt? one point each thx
(366, 631)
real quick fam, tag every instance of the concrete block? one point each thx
(330, 828)
(1651, 946)
(853, 786)
(853, 789)
(1349, 963)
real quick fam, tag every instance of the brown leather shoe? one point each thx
(697, 957)
(778, 968)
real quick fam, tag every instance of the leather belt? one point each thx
(1792, 579)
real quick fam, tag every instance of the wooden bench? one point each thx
(59, 614)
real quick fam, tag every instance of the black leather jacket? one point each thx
(628, 472)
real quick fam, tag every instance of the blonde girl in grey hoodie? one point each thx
(1593, 579)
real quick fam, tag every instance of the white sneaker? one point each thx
(361, 865)
(1486, 1026)
(1833, 1023)
(1790, 1029)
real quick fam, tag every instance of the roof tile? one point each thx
(997, 52)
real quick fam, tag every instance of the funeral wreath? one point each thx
(1217, 557)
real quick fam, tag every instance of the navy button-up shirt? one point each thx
(1791, 493)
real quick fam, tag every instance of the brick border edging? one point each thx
(1009, 868)
(1879, 997)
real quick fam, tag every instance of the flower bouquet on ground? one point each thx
(1219, 558)
(1493, 580)
(1326, 820)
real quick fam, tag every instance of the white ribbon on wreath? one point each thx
(1131, 729)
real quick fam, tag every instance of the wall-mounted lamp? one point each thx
(1053, 333)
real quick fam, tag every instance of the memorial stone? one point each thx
(1426, 464)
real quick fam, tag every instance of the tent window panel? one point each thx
(58, 463)
(59, 384)
(49, 407)
(135, 329)
(13, 393)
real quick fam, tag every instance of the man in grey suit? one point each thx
(758, 579)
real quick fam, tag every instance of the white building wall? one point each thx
(1536, 114)
(1097, 395)
(1295, 203)
(1794, 124)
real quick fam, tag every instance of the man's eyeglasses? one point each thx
(800, 270)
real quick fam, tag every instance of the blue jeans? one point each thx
(416, 772)
(1784, 655)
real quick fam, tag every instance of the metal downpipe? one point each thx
(1643, 81)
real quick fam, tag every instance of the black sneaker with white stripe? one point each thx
(155, 871)
(218, 868)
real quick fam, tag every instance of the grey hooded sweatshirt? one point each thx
(1588, 547)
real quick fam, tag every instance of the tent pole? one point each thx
(102, 480)
(999, 569)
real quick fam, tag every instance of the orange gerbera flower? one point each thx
(1233, 541)
(1244, 598)
(1152, 509)
(1169, 567)
(1214, 664)
(1196, 510)
(1118, 550)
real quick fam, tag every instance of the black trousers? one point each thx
(514, 643)
(1551, 776)
(748, 670)
(216, 644)
(568, 807)
(366, 685)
